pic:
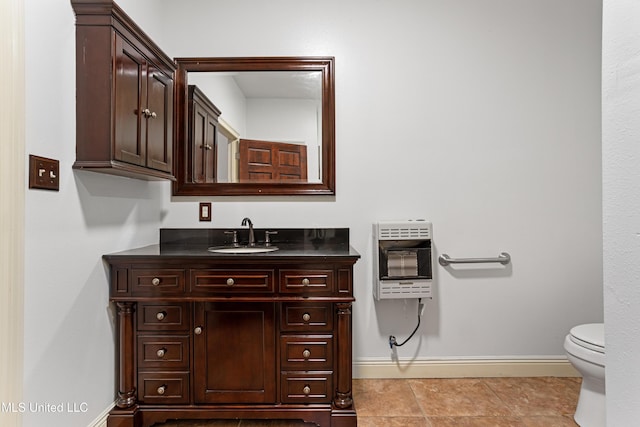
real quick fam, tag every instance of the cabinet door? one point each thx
(211, 148)
(203, 140)
(130, 95)
(159, 119)
(234, 353)
(198, 145)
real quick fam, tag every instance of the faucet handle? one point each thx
(235, 237)
(267, 239)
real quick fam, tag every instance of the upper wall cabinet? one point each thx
(124, 95)
(203, 130)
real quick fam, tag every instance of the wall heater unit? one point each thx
(402, 259)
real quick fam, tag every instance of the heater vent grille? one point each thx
(400, 231)
(416, 289)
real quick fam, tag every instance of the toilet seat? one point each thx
(589, 336)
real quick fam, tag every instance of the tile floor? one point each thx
(464, 402)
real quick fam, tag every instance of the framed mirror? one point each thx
(254, 126)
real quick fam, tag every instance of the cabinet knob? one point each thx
(305, 282)
(306, 353)
(230, 281)
(155, 281)
(197, 330)
(161, 352)
(306, 390)
(149, 114)
(306, 317)
(162, 389)
(161, 315)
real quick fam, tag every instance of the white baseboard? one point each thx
(463, 368)
(101, 420)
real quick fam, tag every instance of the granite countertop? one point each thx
(175, 243)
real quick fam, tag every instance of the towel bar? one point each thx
(444, 260)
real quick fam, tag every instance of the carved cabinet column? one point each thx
(344, 398)
(126, 376)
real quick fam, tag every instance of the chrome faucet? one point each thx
(252, 239)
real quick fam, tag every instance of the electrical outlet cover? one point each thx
(44, 173)
(205, 211)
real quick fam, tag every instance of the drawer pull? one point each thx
(162, 389)
(305, 282)
(306, 353)
(155, 281)
(161, 315)
(161, 352)
(197, 330)
(230, 281)
(306, 390)
(306, 317)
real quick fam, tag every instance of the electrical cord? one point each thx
(392, 340)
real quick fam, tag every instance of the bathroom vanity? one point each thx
(263, 335)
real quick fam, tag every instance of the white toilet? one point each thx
(585, 350)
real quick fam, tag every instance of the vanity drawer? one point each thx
(306, 317)
(163, 351)
(155, 281)
(163, 387)
(231, 281)
(306, 281)
(303, 387)
(306, 352)
(163, 316)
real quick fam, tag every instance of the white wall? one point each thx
(621, 208)
(481, 116)
(225, 95)
(69, 324)
(295, 121)
(12, 186)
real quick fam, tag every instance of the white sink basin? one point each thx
(242, 249)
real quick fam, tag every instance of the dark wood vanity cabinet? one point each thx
(233, 338)
(202, 142)
(124, 95)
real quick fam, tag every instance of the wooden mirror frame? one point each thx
(181, 187)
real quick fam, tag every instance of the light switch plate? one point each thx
(205, 211)
(44, 173)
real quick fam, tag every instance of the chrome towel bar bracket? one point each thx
(444, 260)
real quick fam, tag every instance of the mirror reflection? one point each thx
(254, 126)
(269, 125)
